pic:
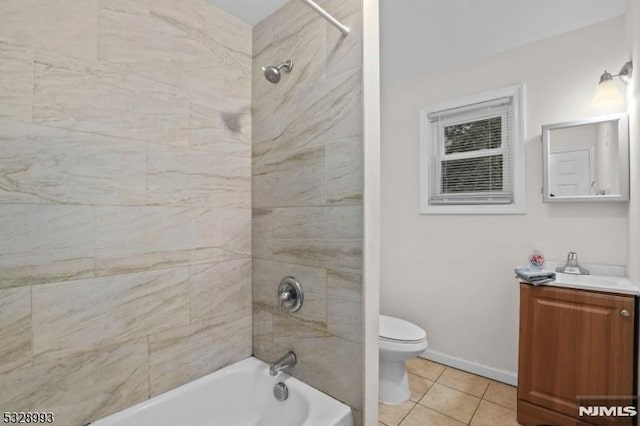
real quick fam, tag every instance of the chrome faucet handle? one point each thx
(290, 296)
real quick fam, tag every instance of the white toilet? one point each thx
(399, 341)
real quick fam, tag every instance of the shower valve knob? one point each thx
(290, 296)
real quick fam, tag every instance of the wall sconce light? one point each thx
(607, 92)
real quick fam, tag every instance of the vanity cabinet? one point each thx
(574, 344)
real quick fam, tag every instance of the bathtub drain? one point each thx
(281, 392)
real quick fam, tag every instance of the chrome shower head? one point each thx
(273, 74)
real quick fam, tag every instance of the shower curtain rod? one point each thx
(343, 28)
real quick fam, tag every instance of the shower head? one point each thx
(273, 74)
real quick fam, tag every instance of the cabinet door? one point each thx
(575, 344)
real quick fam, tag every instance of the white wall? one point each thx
(453, 275)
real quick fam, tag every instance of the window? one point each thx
(472, 155)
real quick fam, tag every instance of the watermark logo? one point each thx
(607, 411)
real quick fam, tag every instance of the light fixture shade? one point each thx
(607, 94)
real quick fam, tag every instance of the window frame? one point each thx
(517, 205)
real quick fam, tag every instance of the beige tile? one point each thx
(263, 346)
(463, 381)
(326, 237)
(236, 231)
(83, 387)
(267, 276)
(321, 359)
(66, 27)
(489, 414)
(418, 386)
(15, 328)
(179, 176)
(303, 170)
(502, 394)
(101, 98)
(262, 36)
(16, 81)
(450, 402)
(83, 315)
(392, 415)
(344, 53)
(344, 304)
(306, 49)
(186, 353)
(129, 239)
(45, 165)
(220, 290)
(425, 368)
(45, 243)
(224, 128)
(345, 171)
(422, 416)
(307, 118)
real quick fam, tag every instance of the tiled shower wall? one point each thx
(307, 194)
(125, 196)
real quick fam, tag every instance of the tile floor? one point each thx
(444, 396)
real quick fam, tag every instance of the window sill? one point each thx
(473, 209)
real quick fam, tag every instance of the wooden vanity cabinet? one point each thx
(574, 343)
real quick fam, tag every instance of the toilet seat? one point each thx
(396, 330)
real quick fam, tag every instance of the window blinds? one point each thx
(471, 153)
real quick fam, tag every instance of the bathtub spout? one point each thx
(287, 361)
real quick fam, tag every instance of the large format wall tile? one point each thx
(45, 243)
(224, 127)
(189, 177)
(16, 80)
(344, 53)
(325, 237)
(125, 198)
(46, 165)
(267, 276)
(309, 116)
(15, 328)
(68, 27)
(136, 238)
(307, 176)
(295, 180)
(100, 98)
(324, 360)
(83, 387)
(237, 232)
(220, 290)
(180, 355)
(344, 305)
(82, 315)
(345, 171)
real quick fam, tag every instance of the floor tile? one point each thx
(422, 416)
(490, 414)
(450, 402)
(425, 368)
(502, 394)
(419, 386)
(392, 415)
(464, 382)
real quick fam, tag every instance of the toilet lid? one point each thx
(392, 328)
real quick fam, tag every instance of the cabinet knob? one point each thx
(625, 313)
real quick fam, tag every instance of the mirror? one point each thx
(586, 160)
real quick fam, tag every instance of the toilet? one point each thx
(399, 341)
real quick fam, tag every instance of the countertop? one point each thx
(604, 278)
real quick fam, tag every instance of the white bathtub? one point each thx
(238, 395)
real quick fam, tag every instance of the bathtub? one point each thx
(238, 395)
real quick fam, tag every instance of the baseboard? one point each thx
(503, 376)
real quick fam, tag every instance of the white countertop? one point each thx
(605, 278)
